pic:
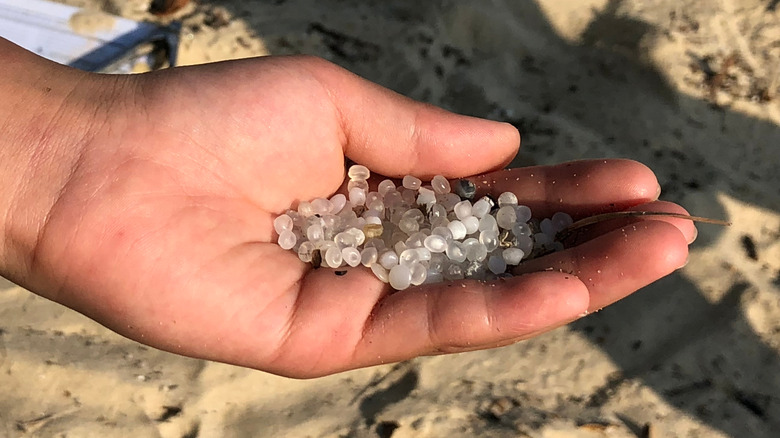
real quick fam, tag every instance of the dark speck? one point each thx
(465, 189)
(340, 273)
(749, 246)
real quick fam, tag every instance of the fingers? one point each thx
(580, 188)
(619, 262)
(467, 315)
(396, 136)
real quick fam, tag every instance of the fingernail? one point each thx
(687, 258)
(695, 235)
(657, 193)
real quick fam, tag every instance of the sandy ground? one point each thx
(688, 87)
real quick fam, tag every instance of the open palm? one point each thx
(163, 230)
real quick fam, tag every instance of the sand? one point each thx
(688, 87)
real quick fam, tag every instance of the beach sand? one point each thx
(689, 88)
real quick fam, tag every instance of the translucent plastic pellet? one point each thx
(408, 225)
(425, 196)
(320, 206)
(393, 199)
(333, 257)
(419, 274)
(304, 209)
(434, 277)
(560, 221)
(488, 223)
(380, 272)
(337, 203)
(436, 211)
(513, 256)
(507, 198)
(357, 196)
(305, 251)
(489, 239)
(409, 256)
(283, 223)
(547, 228)
(496, 264)
(287, 239)
(449, 200)
(400, 277)
(521, 229)
(457, 229)
(455, 251)
(475, 251)
(541, 239)
(360, 236)
(351, 256)
(345, 239)
(424, 254)
(453, 272)
(359, 184)
(506, 217)
(415, 214)
(481, 207)
(523, 213)
(440, 184)
(368, 256)
(314, 232)
(435, 243)
(411, 182)
(377, 243)
(525, 243)
(388, 259)
(462, 209)
(399, 247)
(385, 187)
(472, 224)
(443, 232)
(376, 204)
(437, 262)
(357, 171)
(408, 196)
(415, 240)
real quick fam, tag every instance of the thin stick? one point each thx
(566, 232)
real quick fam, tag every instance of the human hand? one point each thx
(155, 219)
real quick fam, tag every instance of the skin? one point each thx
(146, 203)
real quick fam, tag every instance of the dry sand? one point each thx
(688, 87)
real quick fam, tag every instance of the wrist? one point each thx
(48, 113)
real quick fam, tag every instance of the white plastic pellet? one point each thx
(435, 243)
(481, 207)
(455, 252)
(400, 277)
(320, 206)
(419, 274)
(305, 251)
(472, 224)
(426, 196)
(512, 256)
(385, 187)
(333, 257)
(357, 171)
(359, 184)
(357, 196)
(507, 198)
(368, 256)
(287, 239)
(380, 272)
(351, 256)
(457, 229)
(496, 264)
(462, 209)
(337, 203)
(506, 217)
(283, 223)
(440, 185)
(388, 259)
(411, 182)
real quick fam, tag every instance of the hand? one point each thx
(155, 219)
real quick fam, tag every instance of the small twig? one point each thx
(566, 232)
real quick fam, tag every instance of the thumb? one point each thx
(395, 136)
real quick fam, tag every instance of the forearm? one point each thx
(47, 111)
